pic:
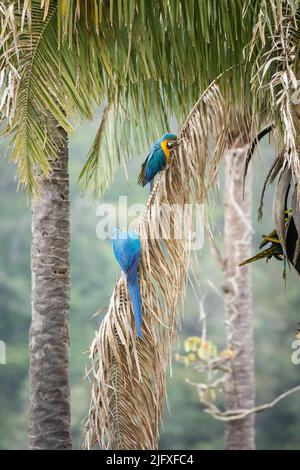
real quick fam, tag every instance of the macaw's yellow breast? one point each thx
(164, 146)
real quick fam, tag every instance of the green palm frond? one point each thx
(45, 91)
(170, 60)
(163, 39)
(126, 129)
(31, 149)
(166, 54)
(275, 81)
(157, 56)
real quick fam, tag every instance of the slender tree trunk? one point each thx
(240, 391)
(49, 414)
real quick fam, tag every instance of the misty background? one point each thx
(93, 274)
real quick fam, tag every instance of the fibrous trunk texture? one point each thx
(240, 389)
(49, 414)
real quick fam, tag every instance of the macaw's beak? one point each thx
(171, 144)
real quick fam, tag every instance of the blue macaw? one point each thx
(157, 159)
(127, 250)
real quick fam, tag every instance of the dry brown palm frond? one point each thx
(275, 76)
(272, 173)
(128, 374)
(275, 81)
(266, 130)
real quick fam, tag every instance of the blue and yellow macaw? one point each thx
(157, 159)
(127, 250)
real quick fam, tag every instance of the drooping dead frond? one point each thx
(266, 130)
(273, 172)
(129, 374)
(286, 221)
(275, 78)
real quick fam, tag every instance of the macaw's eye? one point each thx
(171, 144)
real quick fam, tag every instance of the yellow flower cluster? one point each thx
(197, 348)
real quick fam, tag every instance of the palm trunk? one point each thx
(240, 390)
(49, 414)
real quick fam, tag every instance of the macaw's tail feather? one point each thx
(268, 253)
(141, 177)
(135, 297)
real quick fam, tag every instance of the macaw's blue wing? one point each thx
(141, 177)
(127, 248)
(156, 162)
(133, 268)
(153, 164)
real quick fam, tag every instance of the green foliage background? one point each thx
(94, 271)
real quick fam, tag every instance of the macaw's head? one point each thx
(167, 142)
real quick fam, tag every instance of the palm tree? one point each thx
(67, 60)
(49, 414)
(240, 385)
